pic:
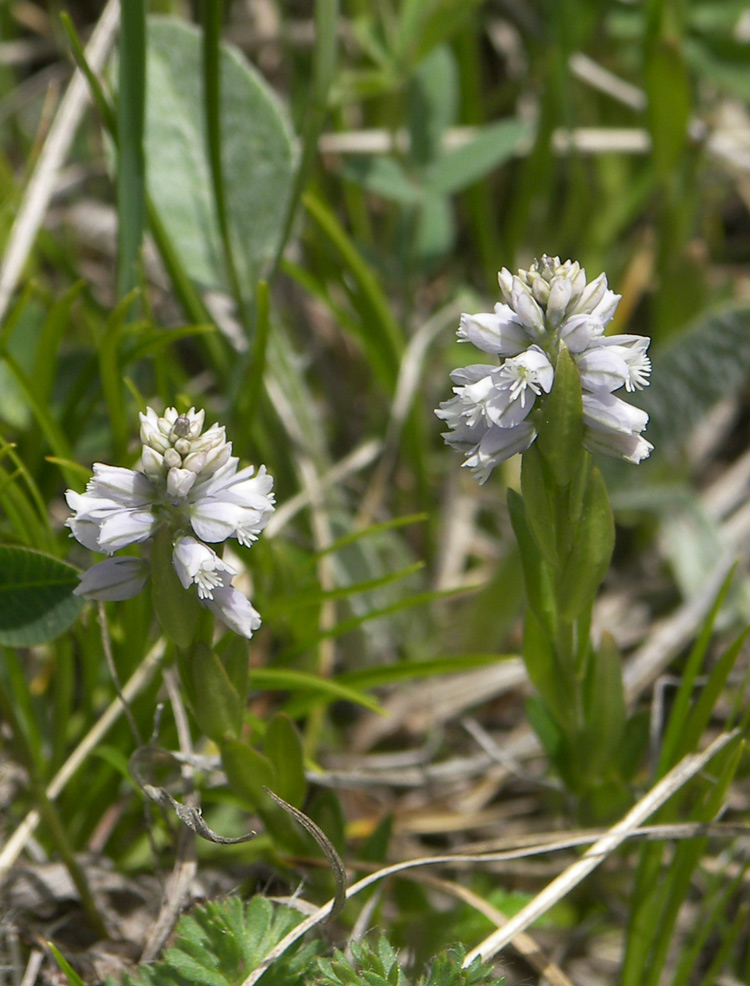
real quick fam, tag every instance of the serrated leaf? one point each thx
(219, 943)
(36, 597)
(257, 142)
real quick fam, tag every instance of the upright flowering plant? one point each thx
(497, 410)
(187, 495)
(551, 395)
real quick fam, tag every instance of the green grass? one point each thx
(291, 212)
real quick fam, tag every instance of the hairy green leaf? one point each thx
(36, 597)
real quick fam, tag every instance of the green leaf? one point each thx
(283, 748)
(534, 489)
(381, 334)
(432, 104)
(70, 974)
(222, 941)
(287, 679)
(383, 176)
(537, 576)
(423, 24)
(669, 103)
(248, 772)
(36, 597)
(256, 141)
(213, 699)
(605, 712)
(131, 101)
(709, 695)
(435, 228)
(177, 608)
(494, 144)
(235, 657)
(545, 727)
(561, 427)
(591, 552)
(680, 713)
(541, 662)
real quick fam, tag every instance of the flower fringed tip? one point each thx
(496, 408)
(188, 481)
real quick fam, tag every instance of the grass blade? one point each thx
(131, 171)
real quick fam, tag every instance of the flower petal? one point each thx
(234, 610)
(113, 580)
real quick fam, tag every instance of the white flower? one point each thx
(189, 481)
(496, 445)
(544, 308)
(500, 332)
(115, 510)
(197, 564)
(114, 579)
(232, 504)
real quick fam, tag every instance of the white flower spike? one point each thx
(495, 412)
(188, 480)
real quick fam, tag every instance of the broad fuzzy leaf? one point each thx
(257, 155)
(36, 597)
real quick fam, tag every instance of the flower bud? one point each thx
(591, 295)
(505, 280)
(559, 296)
(195, 462)
(172, 459)
(153, 462)
(540, 291)
(179, 483)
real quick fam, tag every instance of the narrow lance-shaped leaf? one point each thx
(604, 699)
(591, 552)
(560, 438)
(534, 489)
(537, 576)
(213, 699)
(283, 748)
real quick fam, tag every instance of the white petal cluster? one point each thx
(495, 410)
(188, 480)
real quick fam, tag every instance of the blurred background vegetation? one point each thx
(284, 228)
